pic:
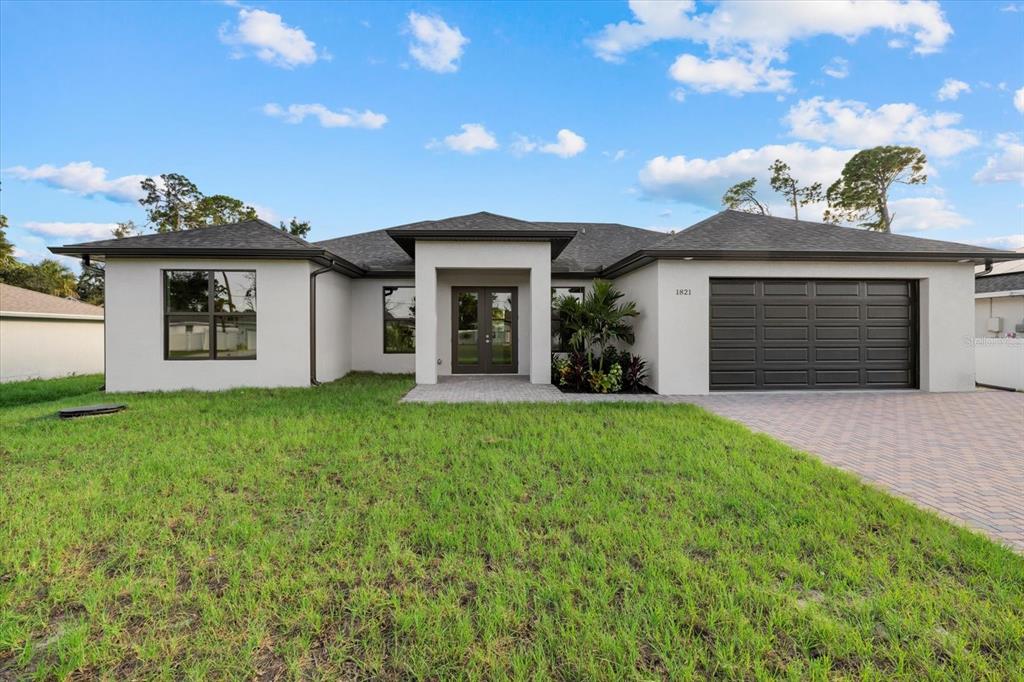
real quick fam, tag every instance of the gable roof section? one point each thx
(1010, 281)
(251, 238)
(19, 302)
(738, 235)
(482, 226)
(375, 252)
(597, 245)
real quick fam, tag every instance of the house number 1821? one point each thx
(682, 292)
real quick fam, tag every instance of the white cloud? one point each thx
(265, 35)
(837, 68)
(436, 46)
(347, 118)
(703, 181)
(85, 179)
(1018, 100)
(849, 123)
(473, 138)
(678, 94)
(952, 89)
(265, 212)
(1012, 7)
(914, 214)
(569, 144)
(523, 145)
(744, 38)
(732, 75)
(1010, 242)
(617, 155)
(1005, 166)
(770, 25)
(86, 231)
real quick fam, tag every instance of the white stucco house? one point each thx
(999, 299)
(735, 302)
(44, 337)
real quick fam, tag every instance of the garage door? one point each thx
(787, 334)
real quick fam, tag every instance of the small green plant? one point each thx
(606, 382)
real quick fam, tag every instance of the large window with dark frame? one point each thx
(559, 335)
(209, 314)
(399, 319)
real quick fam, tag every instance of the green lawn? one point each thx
(334, 533)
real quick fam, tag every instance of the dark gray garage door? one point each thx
(805, 334)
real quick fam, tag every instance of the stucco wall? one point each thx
(333, 325)
(367, 328)
(433, 258)
(135, 328)
(946, 307)
(1010, 308)
(44, 348)
(641, 287)
(1000, 362)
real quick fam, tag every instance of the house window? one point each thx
(209, 314)
(399, 319)
(559, 336)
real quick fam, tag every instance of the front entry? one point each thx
(484, 330)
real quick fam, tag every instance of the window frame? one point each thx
(384, 320)
(211, 314)
(555, 316)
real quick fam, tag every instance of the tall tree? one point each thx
(861, 194)
(125, 229)
(220, 209)
(170, 203)
(6, 247)
(784, 183)
(296, 227)
(89, 287)
(743, 197)
(47, 276)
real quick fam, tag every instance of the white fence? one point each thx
(999, 362)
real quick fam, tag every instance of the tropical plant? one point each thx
(597, 319)
(634, 372)
(606, 382)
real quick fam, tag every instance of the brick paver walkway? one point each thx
(960, 454)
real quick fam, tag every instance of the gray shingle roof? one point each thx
(739, 231)
(251, 234)
(1012, 281)
(481, 222)
(27, 302)
(600, 244)
(370, 250)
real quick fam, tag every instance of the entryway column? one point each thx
(426, 322)
(540, 324)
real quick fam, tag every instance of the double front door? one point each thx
(484, 329)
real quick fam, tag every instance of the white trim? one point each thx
(1000, 294)
(50, 316)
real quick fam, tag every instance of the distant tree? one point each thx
(170, 203)
(47, 276)
(785, 184)
(89, 287)
(6, 247)
(743, 197)
(220, 209)
(125, 229)
(296, 227)
(861, 194)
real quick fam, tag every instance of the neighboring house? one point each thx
(43, 336)
(735, 302)
(999, 299)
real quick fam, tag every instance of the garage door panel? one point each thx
(790, 334)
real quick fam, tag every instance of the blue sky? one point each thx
(358, 116)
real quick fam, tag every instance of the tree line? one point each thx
(860, 195)
(172, 204)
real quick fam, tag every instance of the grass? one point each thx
(334, 533)
(43, 390)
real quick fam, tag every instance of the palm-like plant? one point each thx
(597, 320)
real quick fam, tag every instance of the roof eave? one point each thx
(646, 256)
(407, 239)
(321, 256)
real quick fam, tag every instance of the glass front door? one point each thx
(484, 330)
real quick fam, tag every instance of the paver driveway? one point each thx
(961, 454)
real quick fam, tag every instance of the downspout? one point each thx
(312, 323)
(988, 269)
